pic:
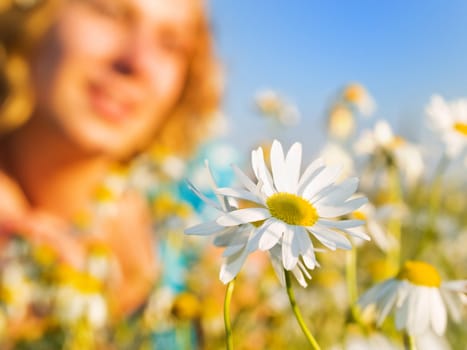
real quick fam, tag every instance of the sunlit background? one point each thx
(402, 51)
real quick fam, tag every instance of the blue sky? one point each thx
(402, 51)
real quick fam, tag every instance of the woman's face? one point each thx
(110, 71)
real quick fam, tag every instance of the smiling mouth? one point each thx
(107, 105)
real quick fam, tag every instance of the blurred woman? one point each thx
(86, 88)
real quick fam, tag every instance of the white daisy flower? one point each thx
(341, 121)
(357, 95)
(237, 239)
(335, 154)
(450, 119)
(288, 207)
(271, 103)
(419, 297)
(376, 220)
(384, 147)
(369, 341)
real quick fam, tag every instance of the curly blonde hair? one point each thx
(22, 25)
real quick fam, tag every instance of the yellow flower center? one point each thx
(292, 209)
(354, 93)
(461, 128)
(359, 215)
(420, 273)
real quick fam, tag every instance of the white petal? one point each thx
(377, 292)
(213, 184)
(459, 286)
(233, 235)
(262, 173)
(430, 340)
(244, 179)
(382, 295)
(232, 249)
(272, 231)
(232, 266)
(303, 269)
(421, 310)
(355, 232)
(330, 238)
(387, 302)
(242, 216)
(438, 313)
(293, 163)
(340, 224)
(276, 262)
(306, 249)
(344, 208)
(322, 180)
(278, 168)
(203, 197)
(239, 193)
(309, 174)
(339, 193)
(402, 313)
(205, 228)
(289, 249)
(453, 304)
(299, 276)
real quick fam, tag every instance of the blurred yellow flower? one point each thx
(357, 95)
(341, 123)
(420, 299)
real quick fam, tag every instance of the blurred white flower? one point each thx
(383, 146)
(450, 120)
(270, 103)
(369, 342)
(357, 95)
(376, 220)
(336, 155)
(431, 340)
(288, 207)
(79, 297)
(17, 290)
(73, 305)
(341, 123)
(419, 297)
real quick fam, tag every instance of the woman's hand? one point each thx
(41, 228)
(127, 234)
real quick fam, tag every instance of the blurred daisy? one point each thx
(376, 220)
(287, 207)
(79, 297)
(270, 103)
(371, 341)
(419, 297)
(450, 119)
(357, 95)
(16, 289)
(237, 239)
(334, 154)
(341, 122)
(384, 147)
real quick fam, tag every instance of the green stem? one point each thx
(394, 225)
(296, 311)
(351, 275)
(352, 285)
(433, 205)
(436, 190)
(227, 324)
(409, 342)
